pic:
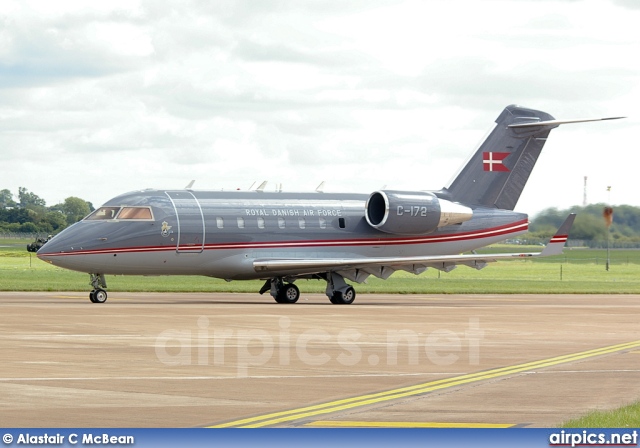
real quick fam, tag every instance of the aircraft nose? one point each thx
(65, 249)
(50, 248)
(61, 243)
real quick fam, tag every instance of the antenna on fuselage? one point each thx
(190, 184)
(262, 186)
(320, 188)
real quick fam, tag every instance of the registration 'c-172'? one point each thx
(282, 237)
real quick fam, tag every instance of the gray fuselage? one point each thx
(221, 233)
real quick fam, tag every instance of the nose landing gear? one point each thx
(98, 295)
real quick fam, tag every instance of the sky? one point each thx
(101, 98)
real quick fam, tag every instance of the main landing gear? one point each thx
(338, 291)
(98, 295)
(282, 292)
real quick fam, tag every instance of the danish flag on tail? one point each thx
(492, 161)
(498, 170)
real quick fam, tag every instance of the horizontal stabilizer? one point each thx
(555, 123)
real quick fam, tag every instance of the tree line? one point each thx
(28, 213)
(590, 226)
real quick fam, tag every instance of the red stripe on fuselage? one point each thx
(463, 236)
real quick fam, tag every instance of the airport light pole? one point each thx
(608, 219)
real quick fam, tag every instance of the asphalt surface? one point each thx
(194, 360)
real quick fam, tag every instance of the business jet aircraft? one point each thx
(281, 237)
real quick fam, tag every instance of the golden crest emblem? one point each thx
(165, 228)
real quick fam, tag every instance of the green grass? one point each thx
(577, 271)
(624, 417)
(580, 271)
(13, 245)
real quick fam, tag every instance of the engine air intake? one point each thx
(412, 212)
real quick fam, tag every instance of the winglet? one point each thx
(557, 241)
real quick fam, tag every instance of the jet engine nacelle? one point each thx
(412, 212)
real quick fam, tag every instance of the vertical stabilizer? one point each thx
(498, 171)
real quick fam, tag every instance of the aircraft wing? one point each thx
(358, 269)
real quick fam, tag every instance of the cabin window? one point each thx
(135, 213)
(323, 223)
(104, 213)
(240, 223)
(220, 223)
(341, 223)
(260, 222)
(281, 222)
(302, 223)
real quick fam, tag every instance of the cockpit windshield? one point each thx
(128, 213)
(135, 213)
(104, 213)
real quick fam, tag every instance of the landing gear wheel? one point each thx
(289, 293)
(344, 298)
(99, 296)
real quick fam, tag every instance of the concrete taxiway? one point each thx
(190, 360)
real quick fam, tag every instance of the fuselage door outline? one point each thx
(190, 229)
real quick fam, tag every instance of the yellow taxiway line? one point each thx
(418, 389)
(350, 424)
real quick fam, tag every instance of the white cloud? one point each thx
(98, 99)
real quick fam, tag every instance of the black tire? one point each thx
(289, 293)
(92, 297)
(99, 296)
(344, 298)
(349, 296)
